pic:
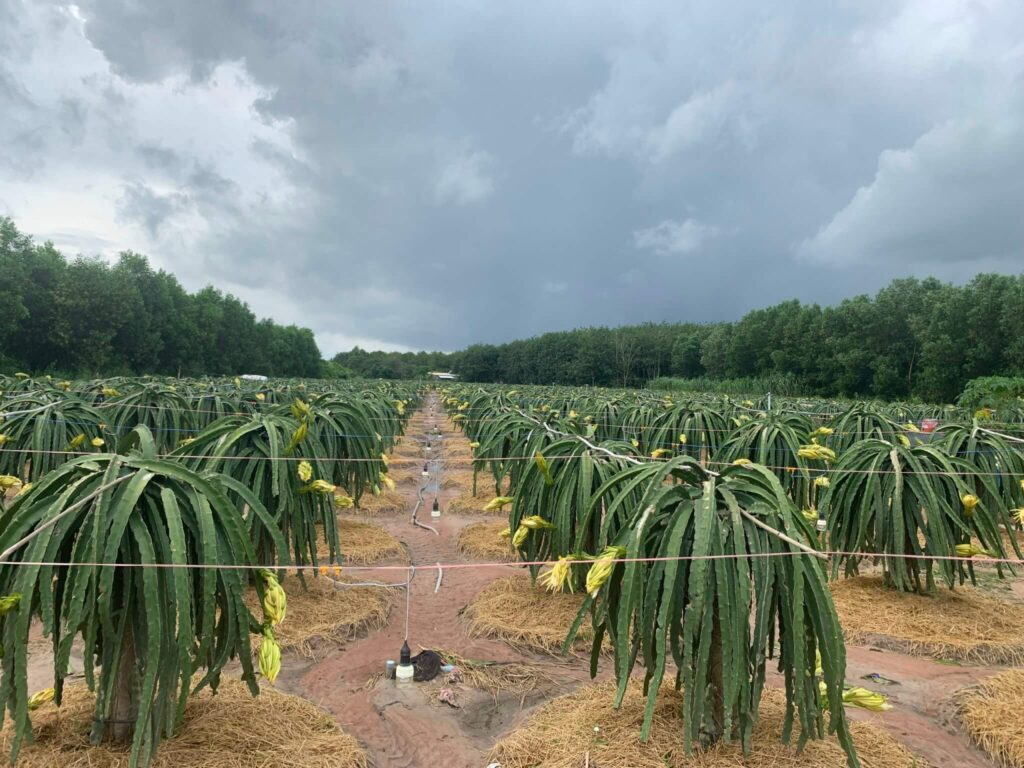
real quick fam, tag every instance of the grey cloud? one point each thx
(436, 179)
(21, 141)
(151, 209)
(72, 115)
(465, 179)
(72, 242)
(160, 158)
(670, 236)
(953, 196)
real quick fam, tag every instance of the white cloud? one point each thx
(332, 343)
(953, 196)
(466, 179)
(554, 286)
(670, 236)
(703, 117)
(156, 167)
(653, 107)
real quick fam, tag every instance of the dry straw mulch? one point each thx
(583, 728)
(526, 616)
(962, 624)
(407, 473)
(362, 543)
(468, 504)
(483, 541)
(456, 450)
(387, 502)
(230, 730)
(991, 714)
(494, 677)
(463, 480)
(325, 616)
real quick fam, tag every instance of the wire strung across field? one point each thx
(625, 430)
(411, 570)
(640, 428)
(399, 461)
(325, 570)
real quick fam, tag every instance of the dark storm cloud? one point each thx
(473, 171)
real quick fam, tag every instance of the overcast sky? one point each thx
(430, 174)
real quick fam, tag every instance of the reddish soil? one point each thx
(401, 727)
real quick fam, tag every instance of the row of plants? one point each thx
(142, 539)
(704, 531)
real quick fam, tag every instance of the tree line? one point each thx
(915, 338)
(90, 318)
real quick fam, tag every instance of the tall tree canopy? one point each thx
(914, 338)
(88, 317)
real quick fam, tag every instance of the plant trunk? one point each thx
(714, 718)
(120, 727)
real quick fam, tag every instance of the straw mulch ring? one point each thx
(362, 544)
(230, 730)
(462, 479)
(495, 678)
(405, 474)
(324, 617)
(485, 542)
(458, 450)
(408, 449)
(990, 712)
(387, 502)
(583, 728)
(468, 504)
(961, 625)
(526, 616)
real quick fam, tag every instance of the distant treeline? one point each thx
(914, 338)
(86, 317)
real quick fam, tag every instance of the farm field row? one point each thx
(748, 553)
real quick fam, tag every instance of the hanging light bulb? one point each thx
(435, 511)
(821, 524)
(426, 470)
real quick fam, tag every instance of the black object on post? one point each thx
(405, 656)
